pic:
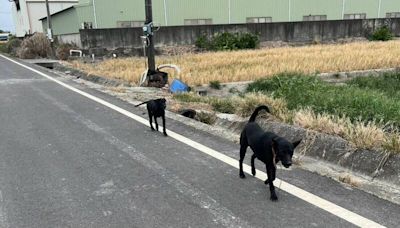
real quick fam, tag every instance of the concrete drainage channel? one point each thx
(46, 63)
(376, 172)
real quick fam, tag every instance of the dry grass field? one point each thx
(253, 64)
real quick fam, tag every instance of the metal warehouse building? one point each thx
(131, 13)
(26, 14)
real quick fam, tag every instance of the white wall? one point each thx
(27, 18)
(70, 38)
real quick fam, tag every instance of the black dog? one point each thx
(267, 147)
(156, 108)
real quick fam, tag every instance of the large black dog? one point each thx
(156, 108)
(267, 147)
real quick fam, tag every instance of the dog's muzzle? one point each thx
(287, 165)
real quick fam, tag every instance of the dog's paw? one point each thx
(274, 197)
(152, 129)
(241, 175)
(165, 134)
(266, 182)
(253, 172)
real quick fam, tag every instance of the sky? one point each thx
(6, 21)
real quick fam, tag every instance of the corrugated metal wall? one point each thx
(174, 12)
(59, 22)
(331, 8)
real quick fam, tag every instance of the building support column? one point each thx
(229, 12)
(165, 13)
(94, 14)
(379, 8)
(343, 7)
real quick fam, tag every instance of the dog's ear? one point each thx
(295, 144)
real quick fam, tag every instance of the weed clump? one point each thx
(228, 41)
(206, 117)
(62, 51)
(11, 46)
(36, 46)
(215, 84)
(382, 34)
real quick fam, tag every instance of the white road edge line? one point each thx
(317, 201)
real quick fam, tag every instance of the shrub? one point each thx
(228, 41)
(206, 117)
(12, 45)
(62, 51)
(3, 47)
(224, 41)
(248, 41)
(382, 34)
(36, 46)
(215, 84)
(202, 42)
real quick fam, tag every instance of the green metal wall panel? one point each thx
(65, 22)
(109, 12)
(370, 7)
(389, 6)
(178, 10)
(84, 13)
(331, 8)
(242, 9)
(174, 12)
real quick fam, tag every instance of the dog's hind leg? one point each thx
(155, 121)
(253, 167)
(163, 123)
(243, 148)
(151, 121)
(271, 178)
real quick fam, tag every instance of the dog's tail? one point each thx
(141, 103)
(255, 113)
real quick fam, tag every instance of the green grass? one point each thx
(188, 97)
(355, 101)
(388, 84)
(225, 105)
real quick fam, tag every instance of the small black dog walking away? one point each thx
(267, 147)
(156, 108)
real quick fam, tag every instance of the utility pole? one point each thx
(49, 30)
(148, 30)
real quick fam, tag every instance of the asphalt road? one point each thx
(68, 161)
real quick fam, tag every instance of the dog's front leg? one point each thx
(271, 178)
(163, 123)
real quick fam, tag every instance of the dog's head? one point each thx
(162, 103)
(284, 150)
